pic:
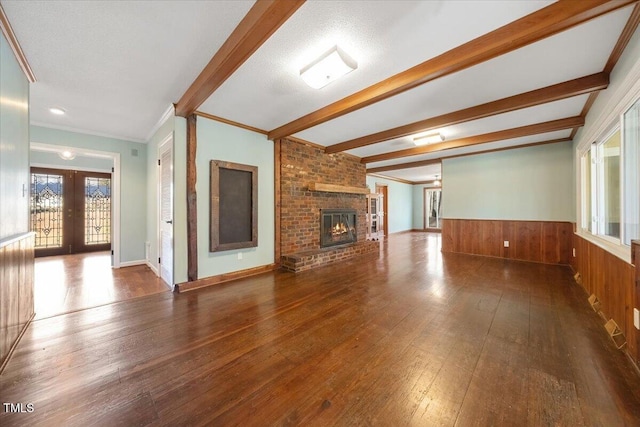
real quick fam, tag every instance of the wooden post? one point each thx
(192, 205)
(277, 147)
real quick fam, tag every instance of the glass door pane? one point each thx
(433, 208)
(47, 210)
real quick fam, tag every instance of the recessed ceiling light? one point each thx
(329, 67)
(57, 111)
(67, 155)
(431, 138)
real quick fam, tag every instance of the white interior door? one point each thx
(165, 208)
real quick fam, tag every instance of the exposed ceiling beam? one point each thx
(532, 98)
(418, 164)
(409, 165)
(538, 128)
(628, 31)
(536, 26)
(392, 178)
(262, 20)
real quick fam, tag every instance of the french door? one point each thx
(432, 209)
(70, 211)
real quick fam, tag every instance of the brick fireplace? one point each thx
(301, 167)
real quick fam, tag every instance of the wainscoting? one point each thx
(612, 281)
(16, 291)
(546, 242)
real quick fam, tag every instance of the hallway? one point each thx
(68, 283)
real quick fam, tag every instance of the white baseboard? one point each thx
(133, 263)
(153, 268)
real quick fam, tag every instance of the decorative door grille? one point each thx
(97, 207)
(47, 209)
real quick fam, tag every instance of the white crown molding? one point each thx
(169, 112)
(86, 132)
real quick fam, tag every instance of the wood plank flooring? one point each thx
(74, 282)
(414, 337)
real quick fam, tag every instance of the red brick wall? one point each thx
(301, 165)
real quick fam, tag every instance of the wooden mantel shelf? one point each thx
(332, 188)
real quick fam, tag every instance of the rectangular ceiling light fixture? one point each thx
(431, 138)
(329, 67)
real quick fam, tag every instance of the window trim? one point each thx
(626, 94)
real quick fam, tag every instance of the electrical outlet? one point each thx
(239, 255)
(506, 243)
(636, 318)
(574, 252)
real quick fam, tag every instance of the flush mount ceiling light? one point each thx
(57, 111)
(329, 67)
(431, 138)
(67, 155)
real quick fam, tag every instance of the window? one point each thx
(631, 176)
(611, 182)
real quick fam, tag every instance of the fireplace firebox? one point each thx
(337, 227)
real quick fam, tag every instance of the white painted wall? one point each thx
(133, 182)
(400, 203)
(533, 183)
(14, 145)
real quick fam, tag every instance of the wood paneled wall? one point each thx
(635, 260)
(537, 241)
(611, 280)
(16, 291)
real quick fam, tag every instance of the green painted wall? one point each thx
(133, 179)
(14, 145)
(400, 203)
(219, 141)
(49, 159)
(533, 183)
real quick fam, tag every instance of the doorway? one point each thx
(432, 209)
(70, 211)
(384, 190)
(165, 210)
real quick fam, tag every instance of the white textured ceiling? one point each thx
(116, 66)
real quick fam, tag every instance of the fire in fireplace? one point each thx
(337, 227)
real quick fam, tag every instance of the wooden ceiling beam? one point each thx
(536, 26)
(628, 31)
(538, 128)
(568, 89)
(440, 159)
(262, 20)
(409, 165)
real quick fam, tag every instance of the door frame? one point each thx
(424, 210)
(384, 190)
(115, 186)
(164, 145)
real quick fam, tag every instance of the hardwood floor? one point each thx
(415, 337)
(74, 282)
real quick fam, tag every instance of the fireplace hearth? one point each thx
(337, 227)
